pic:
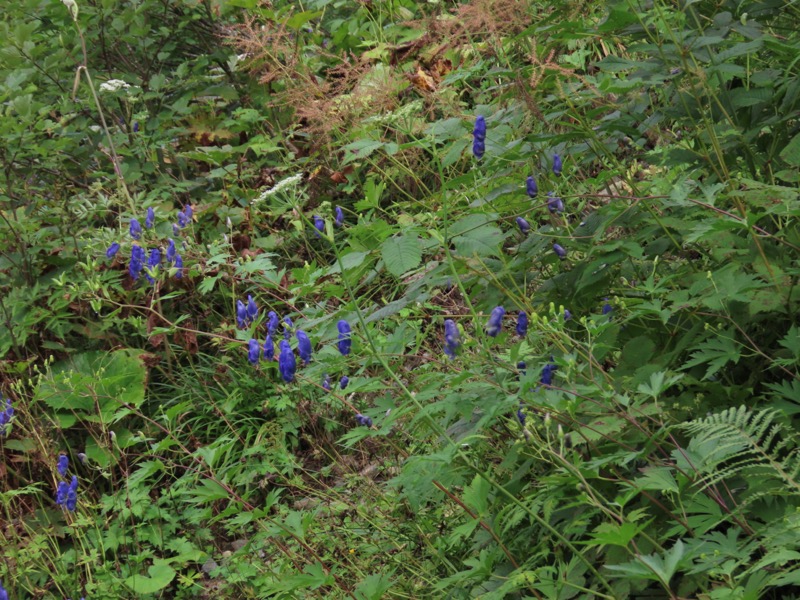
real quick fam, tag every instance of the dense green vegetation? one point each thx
(638, 438)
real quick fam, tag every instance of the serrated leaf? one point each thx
(401, 254)
(159, 576)
(716, 353)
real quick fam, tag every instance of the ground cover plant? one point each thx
(393, 299)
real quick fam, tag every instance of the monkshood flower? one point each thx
(547, 373)
(179, 266)
(188, 211)
(253, 352)
(5, 416)
(176, 231)
(522, 367)
(241, 314)
(521, 417)
(269, 348)
(344, 381)
(554, 203)
(150, 219)
(3, 593)
(607, 308)
(319, 225)
(135, 229)
(273, 322)
(287, 332)
(112, 250)
(63, 464)
(531, 188)
(559, 250)
(303, 346)
(67, 494)
(326, 383)
(137, 262)
(479, 137)
(364, 420)
(153, 263)
(495, 323)
(524, 226)
(136, 127)
(557, 164)
(452, 338)
(339, 216)
(344, 343)
(171, 250)
(567, 315)
(287, 365)
(522, 323)
(183, 220)
(252, 309)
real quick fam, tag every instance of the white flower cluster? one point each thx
(114, 85)
(279, 187)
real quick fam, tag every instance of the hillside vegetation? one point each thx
(396, 299)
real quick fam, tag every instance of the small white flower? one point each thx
(113, 85)
(278, 187)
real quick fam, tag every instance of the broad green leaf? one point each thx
(159, 575)
(401, 254)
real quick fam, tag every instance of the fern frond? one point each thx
(738, 442)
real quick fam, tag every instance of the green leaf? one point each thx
(401, 254)
(716, 353)
(791, 152)
(160, 575)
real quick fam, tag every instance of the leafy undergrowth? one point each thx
(389, 299)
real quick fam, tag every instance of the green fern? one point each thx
(740, 442)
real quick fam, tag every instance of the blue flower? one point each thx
(3, 593)
(567, 315)
(5, 416)
(547, 374)
(269, 348)
(175, 230)
(179, 266)
(339, 216)
(559, 250)
(152, 264)
(241, 314)
(150, 219)
(273, 322)
(364, 420)
(61, 492)
(344, 343)
(287, 365)
(522, 323)
(287, 332)
(137, 262)
(326, 383)
(183, 220)
(531, 188)
(112, 250)
(63, 464)
(171, 250)
(495, 323)
(607, 308)
(522, 367)
(524, 226)
(253, 351)
(554, 203)
(344, 381)
(479, 137)
(303, 346)
(557, 164)
(319, 225)
(452, 338)
(136, 127)
(187, 210)
(252, 309)
(72, 494)
(135, 229)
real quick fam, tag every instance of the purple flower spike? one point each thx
(273, 322)
(287, 365)
(364, 420)
(452, 338)
(531, 188)
(303, 346)
(178, 266)
(269, 348)
(524, 226)
(567, 315)
(319, 225)
(150, 219)
(171, 251)
(241, 314)
(559, 250)
(252, 309)
(557, 164)
(479, 137)
(339, 216)
(554, 203)
(478, 148)
(522, 323)
(495, 323)
(63, 465)
(344, 381)
(326, 383)
(137, 262)
(183, 220)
